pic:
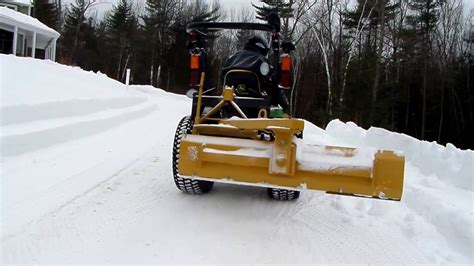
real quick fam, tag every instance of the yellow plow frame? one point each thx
(232, 151)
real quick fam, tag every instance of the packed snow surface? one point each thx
(86, 178)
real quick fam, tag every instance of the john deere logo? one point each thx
(241, 89)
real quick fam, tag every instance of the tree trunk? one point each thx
(407, 111)
(423, 112)
(152, 65)
(442, 110)
(124, 72)
(328, 73)
(375, 86)
(119, 65)
(168, 80)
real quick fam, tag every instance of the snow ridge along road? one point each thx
(86, 178)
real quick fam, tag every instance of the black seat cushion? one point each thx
(246, 84)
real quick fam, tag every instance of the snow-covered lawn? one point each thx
(86, 178)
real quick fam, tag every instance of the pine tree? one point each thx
(164, 26)
(88, 55)
(121, 28)
(370, 15)
(73, 28)
(157, 23)
(73, 22)
(283, 8)
(367, 24)
(47, 12)
(177, 56)
(423, 21)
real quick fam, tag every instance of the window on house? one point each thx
(6, 42)
(9, 6)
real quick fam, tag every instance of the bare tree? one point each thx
(83, 7)
(361, 26)
(320, 23)
(447, 38)
(380, 45)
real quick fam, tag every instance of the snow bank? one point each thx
(438, 185)
(451, 164)
(26, 83)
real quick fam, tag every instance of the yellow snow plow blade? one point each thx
(232, 152)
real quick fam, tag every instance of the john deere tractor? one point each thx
(239, 131)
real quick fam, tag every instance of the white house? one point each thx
(22, 6)
(19, 32)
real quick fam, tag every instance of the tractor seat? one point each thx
(246, 83)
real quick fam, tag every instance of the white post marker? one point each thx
(158, 76)
(127, 79)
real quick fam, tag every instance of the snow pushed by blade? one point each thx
(319, 158)
(86, 178)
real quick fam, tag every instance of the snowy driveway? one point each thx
(96, 187)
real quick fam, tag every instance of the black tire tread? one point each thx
(186, 185)
(283, 194)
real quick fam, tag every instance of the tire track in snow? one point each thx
(345, 237)
(66, 221)
(95, 207)
(70, 201)
(18, 144)
(21, 114)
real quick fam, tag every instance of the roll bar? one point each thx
(197, 32)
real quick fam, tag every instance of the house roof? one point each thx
(26, 22)
(19, 2)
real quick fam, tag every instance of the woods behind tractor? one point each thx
(240, 137)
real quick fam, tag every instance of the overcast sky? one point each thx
(228, 4)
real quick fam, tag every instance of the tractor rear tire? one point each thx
(282, 194)
(187, 185)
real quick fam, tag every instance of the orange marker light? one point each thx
(195, 61)
(285, 63)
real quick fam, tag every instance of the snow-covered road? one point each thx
(86, 178)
